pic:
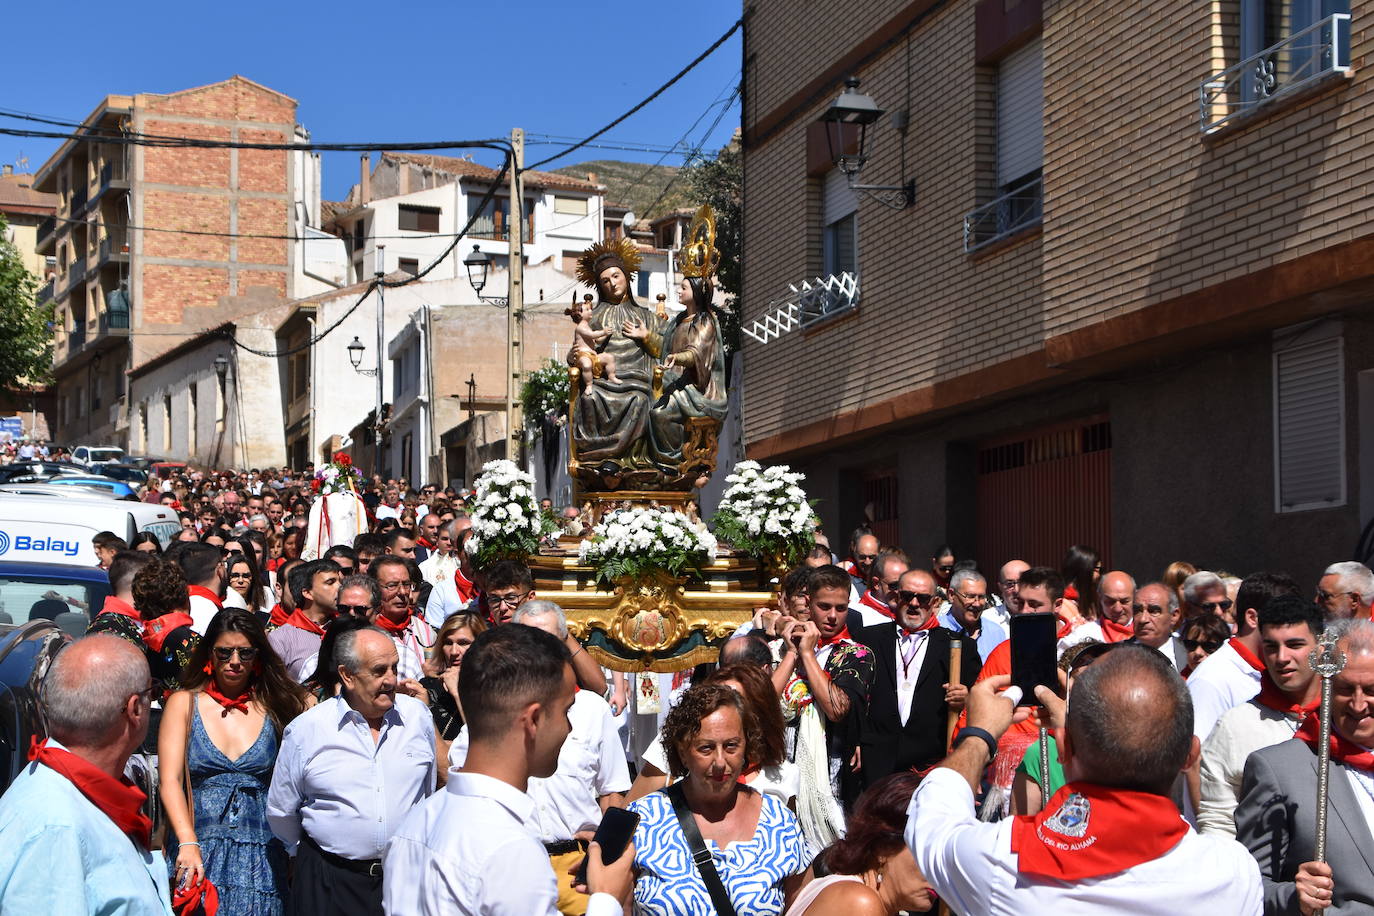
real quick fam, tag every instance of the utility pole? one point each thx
(380, 272)
(515, 423)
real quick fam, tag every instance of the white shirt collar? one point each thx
(479, 785)
(347, 713)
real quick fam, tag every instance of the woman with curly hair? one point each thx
(711, 739)
(222, 728)
(163, 626)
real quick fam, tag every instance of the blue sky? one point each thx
(398, 72)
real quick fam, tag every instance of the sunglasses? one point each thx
(866, 557)
(247, 654)
(356, 610)
(921, 598)
(1209, 647)
(945, 570)
(1215, 606)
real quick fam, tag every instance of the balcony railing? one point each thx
(1303, 59)
(110, 172)
(46, 228)
(76, 338)
(112, 244)
(75, 277)
(114, 321)
(78, 201)
(1019, 208)
(484, 227)
(46, 291)
(805, 304)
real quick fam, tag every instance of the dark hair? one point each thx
(362, 580)
(146, 537)
(301, 579)
(506, 669)
(384, 525)
(159, 588)
(326, 674)
(375, 568)
(108, 539)
(254, 599)
(1213, 627)
(391, 537)
(874, 829)
(761, 699)
(684, 722)
(1044, 577)
(1286, 610)
(282, 697)
(368, 543)
(796, 582)
(942, 550)
(1130, 720)
(886, 556)
(1077, 568)
(828, 577)
(1258, 589)
(197, 561)
(340, 550)
(125, 566)
(748, 649)
(505, 573)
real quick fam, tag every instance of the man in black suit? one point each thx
(904, 725)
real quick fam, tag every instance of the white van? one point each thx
(58, 529)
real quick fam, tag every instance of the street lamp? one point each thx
(355, 356)
(221, 366)
(478, 263)
(854, 111)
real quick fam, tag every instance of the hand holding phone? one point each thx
(613, 835)
(1034, 654)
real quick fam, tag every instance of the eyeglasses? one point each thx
(1215, 606)
(1010, 583)
(892, 586)
(920, 598)
(150, 693)
(1154, 609)
(512, 600)
(403, 586)
(247, 654)
(356, 610)
(972, 599)
(1327, 596)
(1208, 647)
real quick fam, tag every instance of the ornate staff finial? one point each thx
(1327, 661)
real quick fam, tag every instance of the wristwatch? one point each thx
(972, 732)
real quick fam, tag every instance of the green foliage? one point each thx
(545, 392)
(26, 357)
(720, 183)
(676, 563)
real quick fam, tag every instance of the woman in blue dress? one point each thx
(223, 728)
(711, 740)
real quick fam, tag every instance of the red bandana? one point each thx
(424, 542)
(467, 589)
(119, 606)
(118, 800)
(155, 632)
(842, 636)
(196, 898)
(1347, 752)
(1089, 831)
(278, 616)
(239, 702)
(302, 622)
(1116, 632)
(1270, 695)
(390, 626)
(931, 623)
(869, 601)
(1065, 628)
(205, 593)
(1246, 654)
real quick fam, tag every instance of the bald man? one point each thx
(1008, 578)
(1115, 597)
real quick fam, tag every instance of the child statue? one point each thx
(587, 341)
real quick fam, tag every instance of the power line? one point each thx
(259, 235)
(160, 142)
(659, 91)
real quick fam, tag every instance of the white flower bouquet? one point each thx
(506, 521)
(764, 512)
(641, 541)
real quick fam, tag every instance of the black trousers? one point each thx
(323, 888)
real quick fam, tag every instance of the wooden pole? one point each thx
(956, 658)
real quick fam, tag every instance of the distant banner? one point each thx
(11, 428)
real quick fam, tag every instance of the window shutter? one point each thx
(839, 200)
(1020, 114)
(1309, 423)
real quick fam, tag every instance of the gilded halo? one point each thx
(699, 257)
(623, 252)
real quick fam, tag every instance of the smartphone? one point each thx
(1034, 654)
(614, 833)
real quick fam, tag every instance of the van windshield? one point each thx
(25, 597)
(106, 454)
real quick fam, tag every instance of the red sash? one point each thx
(1244, 652)
(228, 703)
(1271, 696)
(390, 626)
(121, 607)
(1088, 831)
(467, 589)
(155, 632)
(1347, 752)
(302, 622)
(118, 800)
(205, 593)
(1115, 632)
(278, 616)
(869, 601)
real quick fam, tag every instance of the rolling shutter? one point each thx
(1309, 420)
(1020, 114)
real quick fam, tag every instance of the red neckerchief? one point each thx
(1071, 592)
(842, 636)
(196, 898)
(391, 626)
(1088, 831)
(205, 593)
(239, 702)
(278, 616)
(121, 607)
(1065, 628)
(1116, 632)
(117, 799)
(868, 600)
(467, 589)
(424, 542)
(1244, 652)
(743, 778)
(302, 622)
(1270, 695)
(155, 632)
(1342, 749)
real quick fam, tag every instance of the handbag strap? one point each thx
(701, 856)
(186, 760)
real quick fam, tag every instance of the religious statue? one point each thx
(584, 352)
(654, 425)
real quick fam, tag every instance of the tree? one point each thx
(720, 183)
(26, 357)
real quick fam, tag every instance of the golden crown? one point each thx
(699, 257)
(620, 253)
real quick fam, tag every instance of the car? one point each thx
(131, 474)
(27, 650)
(165, 469)
(116, 488)
(89, 454)
(39, 470)
(58, 529)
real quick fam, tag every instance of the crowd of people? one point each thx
(388, 729)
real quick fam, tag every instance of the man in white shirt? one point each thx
(203, 568)
(592, 774)
(472, 848)
(1110, 841)
(348, 773)
(442, 561)
(1288, 628)
(390, 506)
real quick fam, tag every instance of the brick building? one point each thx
(1129, 307)
(153, 245)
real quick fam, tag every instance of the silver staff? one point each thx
(1327, 661)
(1044, 766)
